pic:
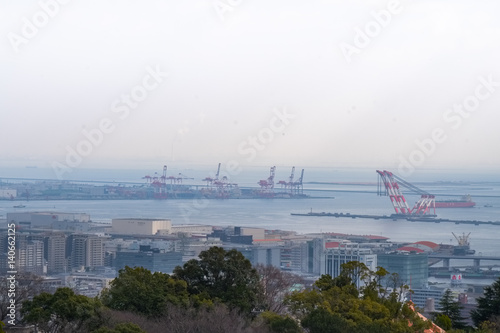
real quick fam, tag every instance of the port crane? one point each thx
(462, 240)
(293, 187)
(211, 180)
(463, 247)
(219, 188)
(267, 185)
(288, 185)
(388, 185)
(297, 187)
(159, 184)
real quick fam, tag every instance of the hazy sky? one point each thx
(306, 83)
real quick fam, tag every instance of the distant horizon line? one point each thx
(197, 166)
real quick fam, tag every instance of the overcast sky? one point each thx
(284, 82)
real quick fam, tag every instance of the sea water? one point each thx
(275, 213)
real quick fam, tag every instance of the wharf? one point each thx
(395, 217)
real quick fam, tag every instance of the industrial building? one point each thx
(256, 233)
(187, 229)
(8, 193)
(29, 220)
(240, 235)
(138, 226)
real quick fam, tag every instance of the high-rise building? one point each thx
(412, 268)
(95, 252)
(291, 257)
(29, 255)
(86, 251)
(78, 250)
(336, 254)
(312, 252)
(52, 249)
(55, 245)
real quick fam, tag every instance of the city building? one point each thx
(337, 253)
(95, 252)
(28, 220)
(291, 256)
(412, 267)
(149, 258)
(138, 226)
(256, 233)
(312, 252)
(421, 296)
(29, 255)
(87, 284)
(192, 228)
(270, 256)
(55, 249)
(74, 226)
(86, 250)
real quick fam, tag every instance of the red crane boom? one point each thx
(390, 181)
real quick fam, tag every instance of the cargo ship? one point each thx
(463, 202)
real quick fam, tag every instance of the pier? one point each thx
(395, 217)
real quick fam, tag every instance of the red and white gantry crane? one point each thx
(391, 188)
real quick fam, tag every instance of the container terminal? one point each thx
(162, 185)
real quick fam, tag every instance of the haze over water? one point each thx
(275, 213)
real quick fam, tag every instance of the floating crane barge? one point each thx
(421, 211)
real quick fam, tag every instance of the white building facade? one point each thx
(333, 258)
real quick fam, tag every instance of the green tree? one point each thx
(488, 306)
(280, 324)
(321, 320)
(223, 275)
(451, 309)
(121, 328)
(63, 311)
(356, 271)
(140, 291)
(372, 288)
(326, 282)
(443, 321)
(335, 305)
(489, 326)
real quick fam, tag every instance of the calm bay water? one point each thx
(275, 213)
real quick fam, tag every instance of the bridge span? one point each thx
(476, 260)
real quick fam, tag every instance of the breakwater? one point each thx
(395, 217)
